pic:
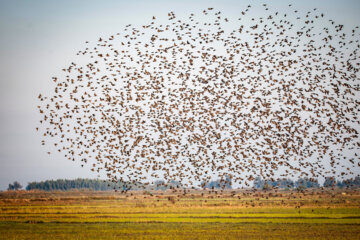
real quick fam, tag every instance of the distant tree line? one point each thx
(285, 183)
(102, 185)
(259, 183)
(80, 183)
(303, 183)
(162, 185)
(348, 183)
(219, 184)
(97, 185)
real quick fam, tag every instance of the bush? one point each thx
(15, 186)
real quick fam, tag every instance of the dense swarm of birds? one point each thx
(209, 97)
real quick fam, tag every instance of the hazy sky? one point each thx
(39, 38)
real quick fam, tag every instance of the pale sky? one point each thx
(39, 38)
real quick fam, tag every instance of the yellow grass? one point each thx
(168, 215)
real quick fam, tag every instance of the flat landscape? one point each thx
(320, 214)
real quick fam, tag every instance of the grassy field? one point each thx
(168, 215)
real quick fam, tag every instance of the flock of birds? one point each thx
(209, 97)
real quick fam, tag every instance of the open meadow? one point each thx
(167, 215)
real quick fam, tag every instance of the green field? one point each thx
(167, 215)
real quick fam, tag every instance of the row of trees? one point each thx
(305, 183)
(80, 183)
(162, 185)
(97, 185)
(345, 183)
(285, 183)
(102, 185)
(219, 184)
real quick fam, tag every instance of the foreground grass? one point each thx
(166, 215)
(177, 231)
